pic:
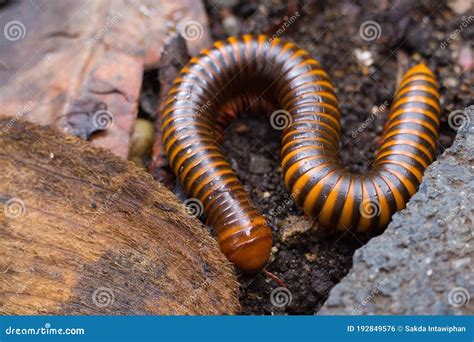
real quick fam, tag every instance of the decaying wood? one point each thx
(82, 232)
(69, 59)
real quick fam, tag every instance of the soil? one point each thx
(365, 74)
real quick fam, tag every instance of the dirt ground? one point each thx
(365, 73)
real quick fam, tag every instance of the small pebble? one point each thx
(416, 57)
(242, 128)
(259, 164)
(231, 25)
(311, 257)
(364, 57)
(460, 6)
(466, 58)
(451, 82)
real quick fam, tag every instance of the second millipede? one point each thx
(258, 72)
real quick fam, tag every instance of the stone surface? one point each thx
(424, 262)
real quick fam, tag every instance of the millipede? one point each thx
(262, 73)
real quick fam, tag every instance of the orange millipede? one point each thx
(239, 73)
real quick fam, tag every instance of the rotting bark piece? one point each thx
(66, 53)
(82, 232)
(80, 119)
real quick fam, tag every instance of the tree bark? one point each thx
(83, 232)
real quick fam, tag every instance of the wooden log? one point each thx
(83, 232)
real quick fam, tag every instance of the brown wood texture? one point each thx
(83, 232)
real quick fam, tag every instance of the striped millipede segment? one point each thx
(255, 71)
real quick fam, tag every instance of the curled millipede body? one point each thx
(257, 72)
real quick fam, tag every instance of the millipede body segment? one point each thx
(255, 71)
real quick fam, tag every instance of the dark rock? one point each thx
(424, 262)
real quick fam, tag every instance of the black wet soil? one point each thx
(365, 73)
